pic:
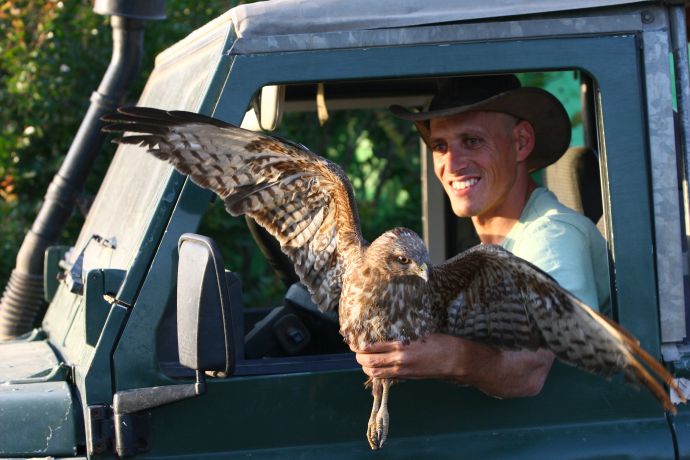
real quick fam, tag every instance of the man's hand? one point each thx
(498, 373)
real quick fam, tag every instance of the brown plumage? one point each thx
(387, 290)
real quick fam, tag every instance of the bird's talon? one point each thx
(377, 431)
(372, 437)
(382, 426)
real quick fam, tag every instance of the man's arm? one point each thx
(503, 374)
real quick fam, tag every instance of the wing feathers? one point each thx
(303, 200)
(505, 301)
(636, 372)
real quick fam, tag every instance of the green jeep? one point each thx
(104, 377)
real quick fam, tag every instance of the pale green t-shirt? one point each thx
(566, 245)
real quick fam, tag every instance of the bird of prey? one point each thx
(386, 290)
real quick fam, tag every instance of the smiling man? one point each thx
(486, 135)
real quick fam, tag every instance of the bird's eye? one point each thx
(403, 260)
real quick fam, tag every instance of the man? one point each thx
(486, 135)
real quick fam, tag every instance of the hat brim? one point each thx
(546, 114)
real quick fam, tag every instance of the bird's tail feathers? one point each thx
(636, 372)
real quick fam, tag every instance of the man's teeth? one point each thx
(463, 184)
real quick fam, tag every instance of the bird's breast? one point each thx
(374, 311)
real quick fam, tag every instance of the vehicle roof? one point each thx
(285, 17)
(299, 25)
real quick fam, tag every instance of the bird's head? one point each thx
(402, 253)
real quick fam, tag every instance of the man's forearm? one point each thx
(498, 373)
(503, 374)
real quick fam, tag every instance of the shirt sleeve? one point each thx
(562, 251)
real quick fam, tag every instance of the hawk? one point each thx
(387, 290)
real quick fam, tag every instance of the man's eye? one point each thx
(473, 142)
(403, 260)
(439, 147)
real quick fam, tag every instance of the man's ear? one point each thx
(523, 133)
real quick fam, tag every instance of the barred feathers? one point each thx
(303, 200)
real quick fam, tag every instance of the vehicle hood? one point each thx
(37, 413)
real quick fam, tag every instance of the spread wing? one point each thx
(495, 297)
(302, 199)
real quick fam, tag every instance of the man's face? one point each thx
(476, 157)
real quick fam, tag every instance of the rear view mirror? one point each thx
(204, 319)
(266, 111)
(272, 101)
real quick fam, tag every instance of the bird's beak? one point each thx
(424, 272)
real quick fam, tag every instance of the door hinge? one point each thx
(99, 429)
(124, 427)
(125, 435)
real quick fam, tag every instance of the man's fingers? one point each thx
(380, 347)
(382, 372)
(378, 359)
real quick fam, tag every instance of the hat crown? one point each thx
(464, 91)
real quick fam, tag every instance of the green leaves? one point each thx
(46, 75)
(53, 54)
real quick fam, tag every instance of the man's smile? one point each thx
(464, 184)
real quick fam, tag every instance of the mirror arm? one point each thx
(126, 403)
(138, 399)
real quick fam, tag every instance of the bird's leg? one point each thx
(382, 416)
(372, 432)
(377, 429)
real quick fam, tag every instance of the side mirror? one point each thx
(204, 316)
(204, 339)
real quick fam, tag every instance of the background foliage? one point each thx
(53, 55)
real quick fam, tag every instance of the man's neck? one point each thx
(493, 227)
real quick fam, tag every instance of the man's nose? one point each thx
(457, 160)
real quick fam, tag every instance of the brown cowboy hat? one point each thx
(500, 93)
